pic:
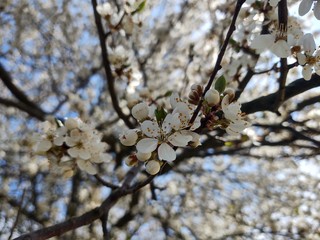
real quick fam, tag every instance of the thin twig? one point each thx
(20, 95)
(217, 66)
(107, 68)
(105, 183)
(104, 222)
(18, 215)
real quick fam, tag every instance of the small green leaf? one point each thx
(140, 7)
(160, 114)
(168, 94)
(220, 84)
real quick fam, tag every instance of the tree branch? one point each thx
(8, 81)
(21, 106)
(217, 66)
(266, 103)
(107, 68)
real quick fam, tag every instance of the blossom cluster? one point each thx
(292, 43)
(70, 145)
(161, 132)
(223, 112)
(123, 20)
(310, 57)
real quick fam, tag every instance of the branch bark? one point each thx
(266, 103)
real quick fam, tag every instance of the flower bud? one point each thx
(131, 160)
(140, 111)
(129, 137)
(195, 94)
(212, 97)
(230, 92)
(197, 88)
(153, 167)
(143, 156)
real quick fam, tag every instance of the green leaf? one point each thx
(140, 7)
(220, 84)
(168, 94)
(160, 114)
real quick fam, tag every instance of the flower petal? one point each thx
(147, 145)
(86, 166)
(307, 72)
(262, 42)
(150, 129)
(302, 59)
(281, 48)
(140, 111)
(309, 45)
(165, 152)
(305, 6)
(84, 154)
(43, 146)
(179, 140)
(316, 10)
(174, 99)
(73, 152)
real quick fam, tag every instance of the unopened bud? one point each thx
(212, 97)
(143, 156)
(230, 92)
(153, 167)
(131, 160)
(195, 94)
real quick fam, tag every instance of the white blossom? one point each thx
(74, 144)
(104, 9)
(118, 56)
(166, 136)
(232, 112)
(52, 136)
(310, 59)
(278, 46)
(156, 135)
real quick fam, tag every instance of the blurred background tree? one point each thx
(61, 59)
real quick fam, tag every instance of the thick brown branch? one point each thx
(266, 103)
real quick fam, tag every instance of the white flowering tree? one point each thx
(136, 119)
